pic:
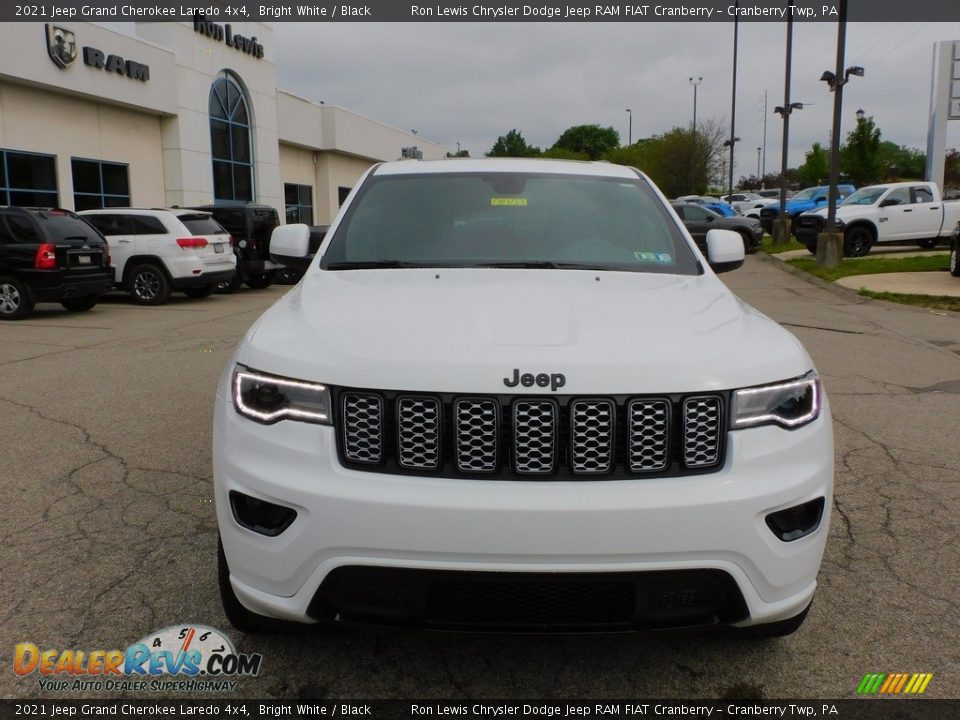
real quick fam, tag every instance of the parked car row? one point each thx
(55, 255)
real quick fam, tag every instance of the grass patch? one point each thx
(769, 247)
(871, 265)
(935, 302)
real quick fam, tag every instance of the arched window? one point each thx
(230, 141)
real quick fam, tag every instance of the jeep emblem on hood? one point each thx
(554, 380)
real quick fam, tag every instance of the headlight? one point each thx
(268, 398)
(789, 404)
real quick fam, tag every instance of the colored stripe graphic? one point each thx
(894, 683)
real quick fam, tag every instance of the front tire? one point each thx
(955, 260)
(857, 241)
(148, 285)
(242, 619)
(80, 304)
(748, 247)
(811, 248)
(16, 302)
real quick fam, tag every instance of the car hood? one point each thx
(842, 211)
(465, 330)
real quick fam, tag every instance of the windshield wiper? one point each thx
(542, 265)
(372, 265)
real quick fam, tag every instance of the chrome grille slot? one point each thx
(702, 431)
(648, 433)
(362, 428)
(535, 436)
(418, 433)
(477, 428)
(591, 436)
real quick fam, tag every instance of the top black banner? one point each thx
(713, 11)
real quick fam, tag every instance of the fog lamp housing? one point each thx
(796, 522)
(260, 516)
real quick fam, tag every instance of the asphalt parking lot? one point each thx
(107, 527)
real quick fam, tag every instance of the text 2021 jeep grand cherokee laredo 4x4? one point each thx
(512, 395)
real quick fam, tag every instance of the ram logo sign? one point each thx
(62, 45)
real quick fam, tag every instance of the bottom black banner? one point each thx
(861, 709)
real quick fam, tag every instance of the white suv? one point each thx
(157, 251)
(512, 395)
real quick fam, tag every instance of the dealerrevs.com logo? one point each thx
(184, 658)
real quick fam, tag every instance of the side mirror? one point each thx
(290, 246)
(820, 200)
(887, 202)
(710, 218)
(724, 250)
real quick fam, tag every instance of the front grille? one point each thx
(702, 424)
(534, 436)
(648, 435)
(508, 437)
(362, 428)
(418, 428)
(591, 435)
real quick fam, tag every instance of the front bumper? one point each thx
(353, 519)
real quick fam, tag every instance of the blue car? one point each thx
(718, 206)
(807, 199)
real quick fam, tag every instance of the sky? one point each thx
(469, 83)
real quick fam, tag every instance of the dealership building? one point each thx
(178, 113)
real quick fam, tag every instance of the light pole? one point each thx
(733, 102)
(695, 84)
(781, 226)
(730, 143)
(630, 127)
(693, 154)
(861, 113)
(759, 178)
(830, 243)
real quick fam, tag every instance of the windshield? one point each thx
(805, 194)
(509, 220)
(864, 196)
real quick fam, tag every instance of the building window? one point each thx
(28, 179)
(230, 143)
(342, 193)
(299, 202)
(98, 184)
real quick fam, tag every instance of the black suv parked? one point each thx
(50, 255)
(251, 226)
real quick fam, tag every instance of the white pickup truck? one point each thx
(895, 212)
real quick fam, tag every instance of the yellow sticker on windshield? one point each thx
(511, 202)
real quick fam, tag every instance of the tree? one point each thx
(679, 161)
(512, 145)
(900, 162)
(459, 154)
(590, 140)
(951, 168)
(816, 167)
(563, 154)
(860, 157)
